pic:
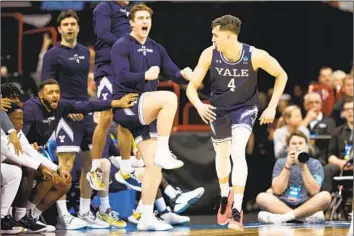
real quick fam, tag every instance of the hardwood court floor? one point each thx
(327, 229)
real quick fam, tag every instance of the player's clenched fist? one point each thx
(152, 73)
(187, 73)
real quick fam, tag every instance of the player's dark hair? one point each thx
(10, 90)
(296, 133)
(228, 22)
(47, 82)
(67, 14)
(139, 7)
(13, 108)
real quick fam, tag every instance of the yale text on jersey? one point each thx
(232, 72)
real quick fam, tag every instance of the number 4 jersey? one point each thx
(234, 84)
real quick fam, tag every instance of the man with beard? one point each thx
(42, 116)
(68, 63)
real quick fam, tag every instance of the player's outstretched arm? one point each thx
(205, 111)
(170, 69)
(261, 59)
(72, 106)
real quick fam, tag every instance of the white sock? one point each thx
(162, 143)
(30, 205)
(146, 212)
(96, 163)
(160, 204)
(19, 213)
(104, 204)
(170, 192)
(4, 211)
(238, 201)
(84, 205)
(288, 216)
(36, 213)
(225, 189)
(62, 209)
(126, 166)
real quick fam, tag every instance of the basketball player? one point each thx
(45, 193)
(136, 62)
(110, 22)
(68, 63)
(42, 116)
(8, 154)
(10, 175)
(5, 104)
(234, 106)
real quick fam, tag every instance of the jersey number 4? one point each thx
(232, 85)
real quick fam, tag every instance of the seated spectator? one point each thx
(347, 94)
(324, 88)
(314, 120)
(325, 76)
(339, 148)
(295, 187)
(292, 119)
(317, 124)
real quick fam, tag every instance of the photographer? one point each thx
(296, 185)
(339, 149)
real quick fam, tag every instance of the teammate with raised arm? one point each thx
(136, 62)
(233, 107)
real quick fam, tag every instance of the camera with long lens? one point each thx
(302, 156)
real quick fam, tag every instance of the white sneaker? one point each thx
(172, 218)
(70, 222)
(93, 222)
(316, 218)
(167, 160)
(269, 218)
(152, 223)
(50, 228)
(184, 200)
